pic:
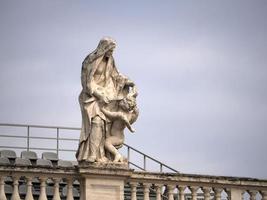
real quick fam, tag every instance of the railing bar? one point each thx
(47, 138)
(36, 137)
(166, 166)
(40, 126)
(71, 150)
(13, 136)
(70, 139)
(150, 158)
(136, 166)
(34, 148)
(142, 153)
(153, 159)
(9, 147)
(48, 149)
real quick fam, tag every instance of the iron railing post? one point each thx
(28, 138)
(128, 155)
(145, 162)
(57, 141)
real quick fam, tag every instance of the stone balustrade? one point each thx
(35, 182)
(40, 183)
(186, 186)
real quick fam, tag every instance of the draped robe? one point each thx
(89, 103)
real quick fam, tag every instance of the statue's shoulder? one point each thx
(89, 59)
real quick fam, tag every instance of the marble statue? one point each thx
(108, 106)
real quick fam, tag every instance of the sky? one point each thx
(199, 66)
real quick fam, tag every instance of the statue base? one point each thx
(103, 180)
(103, 165)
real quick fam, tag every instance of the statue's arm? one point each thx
(112, 115)
(98, 92)
(134, 115)
(120, 116)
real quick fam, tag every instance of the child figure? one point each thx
(124, 117)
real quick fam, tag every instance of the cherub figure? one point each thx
(124, 117)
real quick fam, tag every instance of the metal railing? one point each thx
(57, 129)
(145, 158)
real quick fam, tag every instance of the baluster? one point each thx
(170, 192)
(236, 194)
(70, 189)
(82, 188)
(181, 192)
(243, 193)
(218, 193)
(228, 192)
(15, 194)
(264, 195)
(194, 192)
(146, 187)
(206, 191)
(158, 191)
(56, 195)
(29, 195)
(253, 194)
(43, 189)
(2, 188)
(133, 190)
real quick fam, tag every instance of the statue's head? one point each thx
(107, 46)
(128, 103)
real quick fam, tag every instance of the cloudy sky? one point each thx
(200, 67)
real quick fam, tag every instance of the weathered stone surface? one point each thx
(4, 161)
(103, 166)
(108, 106)
(43, 162)
(22, 162)
(65, 163)
(31, 155)
(109, 177)
(103, 181)
(103, 188)
(50, 156)
(8, 154)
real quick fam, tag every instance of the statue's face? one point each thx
(127, 104)
(109, 53)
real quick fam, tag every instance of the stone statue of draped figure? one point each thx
(108, 105)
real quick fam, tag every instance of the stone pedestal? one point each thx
(103, 181)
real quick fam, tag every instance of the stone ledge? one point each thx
(106, 169)
(196, 179)
(102, 165)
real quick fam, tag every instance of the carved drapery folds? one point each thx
(108, 106)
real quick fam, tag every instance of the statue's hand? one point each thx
(131, 129)
(98, 93)
(105, 99)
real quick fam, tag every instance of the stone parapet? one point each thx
(110, 181)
